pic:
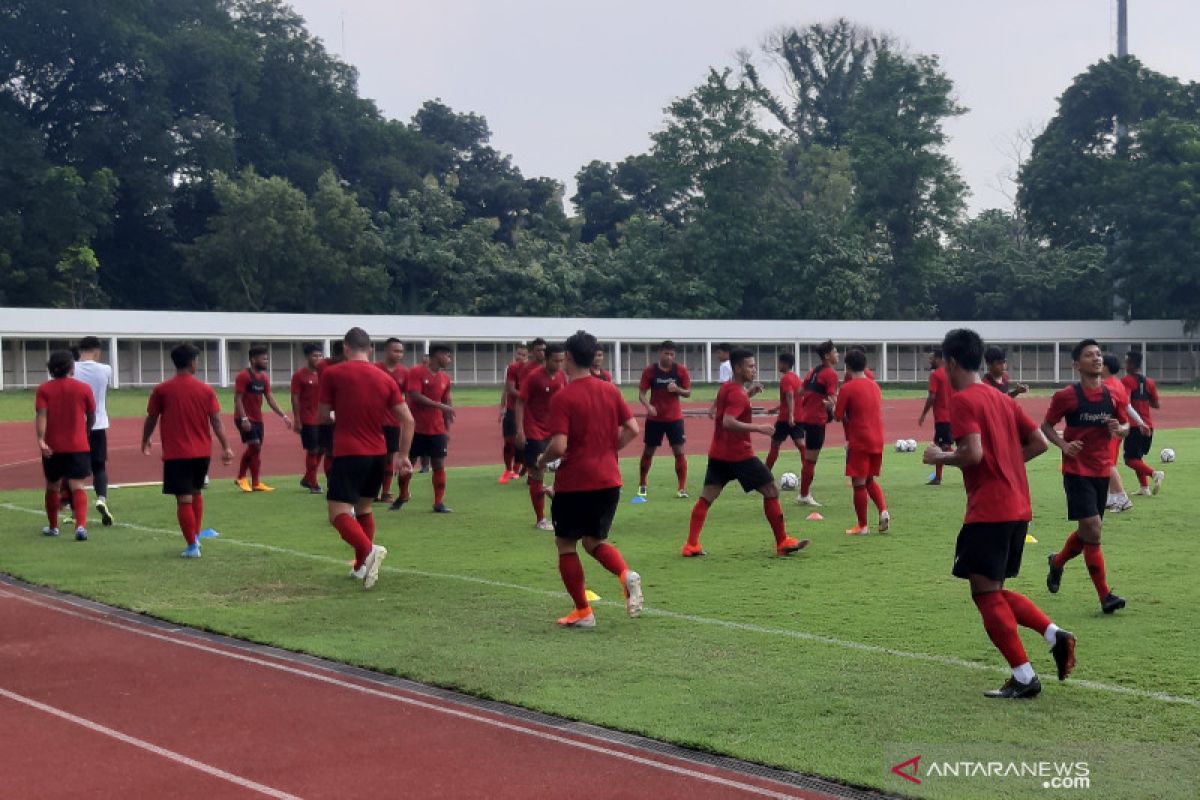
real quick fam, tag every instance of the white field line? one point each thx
(745, 627)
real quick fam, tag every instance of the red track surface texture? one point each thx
(475, 440)
(95, 705)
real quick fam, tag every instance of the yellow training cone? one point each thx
(591, 596)
(1029, 539)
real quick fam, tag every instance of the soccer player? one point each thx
(589, 423)
(99, 377)
(940, 392)
(663, 383)
(253, 384)
(995, 438)
(325, 429)
(860, 408)
(1143, 394)
(1118, 500)
(847, 375)
(65, 412)
(996, 375)
(304, 415)
(433, 409)
(787, 424)
(508, 420)
(1094, 418)
(188, 409)
(597, 369)
(538, 388)
(818, 395)
(392, 364)
(724, 368)
(731, 457)
(361, 397)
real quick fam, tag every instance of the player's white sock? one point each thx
(1050, 634)
(1024, 673)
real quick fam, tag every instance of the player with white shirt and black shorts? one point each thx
(98, 377)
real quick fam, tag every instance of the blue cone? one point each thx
(208, 533)
(637, 499)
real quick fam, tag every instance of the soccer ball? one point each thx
(901, 445)
(553, 466)
(910, 445)
(788, 481)
(1167, 455)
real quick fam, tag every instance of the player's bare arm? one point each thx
(40, 426)
(148, 431)
(219, 431)
(969, 452)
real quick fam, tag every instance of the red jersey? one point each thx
(728, 445)
(399, 374)
(185, 405)
(789, 382)
(304, 389)
(253, 387)
(602, 374)
(361, 397)
(820, 382)
(860, 406)
(942, 391)
(1001, 384)
(67, 402)
(1086, 412)
(848, 376)
(513, 375)
(997, 487)
(1119, 392)
(1142, 392)
(588, 411)
(435, 386)
(537, 390)
(666, 404)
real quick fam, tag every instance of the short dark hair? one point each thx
(555, 347)
(536, 342)
(937, 352)
(1135, 358)
(440, 348)
(825, 348)
(738, 355)
(1112, 363)
(258, 350)
(582, 347)
(74, 351)
(666, 345)
(311, 348)
(994, 354)
(723, 347)
(787, 359)
(183, 355)
(357, 339)
(856, 360)
(392, 340)
(1078, 349)
(60, 363)
(964, 346)
(89, 343)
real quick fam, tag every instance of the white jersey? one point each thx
(99, 377)
(725, 373)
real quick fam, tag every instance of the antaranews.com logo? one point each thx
(1051, 774)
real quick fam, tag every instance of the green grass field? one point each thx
(836, 661)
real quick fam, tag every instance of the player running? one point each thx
(731, 457)
(99, 377)
(860, 408)
(393, 365)
(787, 423)
(589, 423)
(995, 438)
(65, 411)
(304, 390)
(433, 409)
(996, 374)
(253, 384)
(538, 388)
(508, 420)
(1143, 394)
(818, 395)
(940, 392)
(661, 386)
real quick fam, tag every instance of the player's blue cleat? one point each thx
(192, 551)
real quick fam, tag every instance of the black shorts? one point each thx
(1137, 445)
(814, 436)
(942, 436)
(310, 437)
(254, 435)
(183, 476)
(98, 445)
(1086, 496)
(325, 438)
(751, 473)
(432, 445)
(354, 478)
(991, 549)
(509, 426)
(391, 435)
(783, 431)
(579, 514)
(72, 466)
(533, 449)
(656, 430)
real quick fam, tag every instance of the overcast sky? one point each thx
(563, 82)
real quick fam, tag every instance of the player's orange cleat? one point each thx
(505, 477)
(691, 550)
(244, 484)
(791, 545)
(262, 487)
(579, 618)
(863, 531)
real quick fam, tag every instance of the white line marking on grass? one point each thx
(324, 676)
(170, 755)
(745, 627)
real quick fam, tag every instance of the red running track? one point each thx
(475, 440)
(98, 704)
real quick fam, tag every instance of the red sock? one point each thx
(1072, 548)
(405, 480)
(807, 471)
(367, 523)
(52, 500)
(328, 465)
(1001, 627)
(79, 505)
(244, 463)
(187, 521)
(610, 558)
(1025, 611)
(255, 464)
(571, 571)
(644, 469)
(1095, 564)
(439, 486)
(774, 516)
(699, 514)
(876, 493)
(353, 535)
(773, 455)
(311, 463)
(510, 449)
(860, 505)
(537, 496)
(937, 471)
(198, 510)
(681, 471)
(1144, 472)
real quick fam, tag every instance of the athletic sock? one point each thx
(537, 496)
(353, 535)
(1143, 470)
(1071, 548)
(367, 523)
(79, 506)
(387, 483)
(774, 515)
(327, 465)
(100, 481)
(1095, 565)
(255, 463)
(610, 558)
(187, 521)
(244, 463)
(439, 486)
(644, 469)
(699, 514)
(937, 471)
(1001, 627)
(571, 570)
(860, 505)
(198, 510)
(681, 471)
(875, 491)
(1051, 634)
(52, 501)
(1026, 612)
(405, 480)
(807, 471)
(311, 464)
(773, 456)
(509, 450)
